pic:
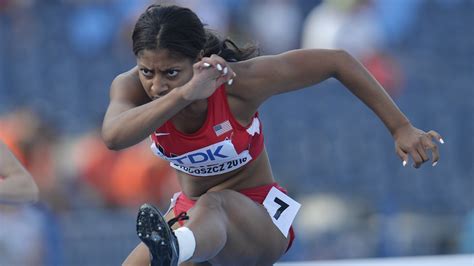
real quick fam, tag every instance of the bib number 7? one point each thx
(282, 209)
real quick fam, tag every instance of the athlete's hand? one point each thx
(410, 141)
(209, 74)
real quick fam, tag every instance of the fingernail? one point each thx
(404, 163)
(230, 82)
(206, 64)
(434, 164)
(219, 67)
(225, 71)
(441, 141)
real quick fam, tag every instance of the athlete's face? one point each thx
(161, 71)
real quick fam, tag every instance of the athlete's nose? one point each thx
(159, 87)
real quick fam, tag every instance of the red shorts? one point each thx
(257, 194)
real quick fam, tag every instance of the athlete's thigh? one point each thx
(252, 236)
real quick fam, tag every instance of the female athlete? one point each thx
(198, 99)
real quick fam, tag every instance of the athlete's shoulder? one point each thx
(127, 79)
(250, 77)
(127, 86)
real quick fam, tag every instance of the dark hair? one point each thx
(179, 30)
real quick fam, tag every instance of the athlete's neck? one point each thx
(195, 110)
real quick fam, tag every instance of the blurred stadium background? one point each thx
(58, 58)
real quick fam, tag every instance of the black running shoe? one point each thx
(157, 234)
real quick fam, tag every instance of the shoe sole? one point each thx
(154, 231)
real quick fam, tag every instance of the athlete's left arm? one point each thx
(265, 76)
(16, 183)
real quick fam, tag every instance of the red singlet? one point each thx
(221, 145)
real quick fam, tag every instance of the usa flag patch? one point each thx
(222, 128)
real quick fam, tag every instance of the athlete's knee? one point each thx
(217, 202)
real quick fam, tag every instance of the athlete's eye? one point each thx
(146, 72)
(172, 73)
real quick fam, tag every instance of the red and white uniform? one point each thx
(221, 145)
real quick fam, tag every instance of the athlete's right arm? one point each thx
(131, 116)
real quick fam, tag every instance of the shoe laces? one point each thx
(181, 217)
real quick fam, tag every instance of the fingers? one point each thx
(217, 62)
(415, 155)
(417, 158)
(201, 65)
(422, 154)
(429, 145)
(403, 155)
(436, 135)
(419, 148)
(208, 69)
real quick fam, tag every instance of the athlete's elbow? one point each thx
(110, 140)
(341, 54)
(343, 62)
(111, 143)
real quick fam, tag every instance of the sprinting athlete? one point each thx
(198, 98)
(16, 183)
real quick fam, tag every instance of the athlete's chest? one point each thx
(208, 145)
(220, 146)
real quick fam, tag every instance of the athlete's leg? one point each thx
(231, 229)
(140, 256)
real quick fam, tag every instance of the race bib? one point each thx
(282, 209)
(218, 158)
